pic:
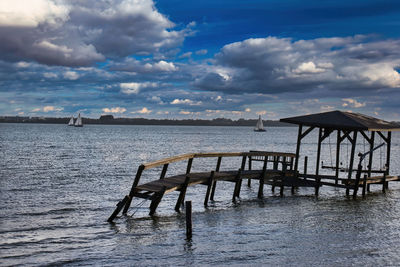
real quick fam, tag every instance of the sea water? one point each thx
(59, 184)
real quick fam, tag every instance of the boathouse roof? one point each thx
(343, 120)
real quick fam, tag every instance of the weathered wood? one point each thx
(120, 205)
(237, 186)
(296, 161)
(182, 194)
(364, 186)
(371, 147)
(189, 165)
(384, 183)
(209, 185)
(357, 181)
(318, 179)
(164, 171)
(388, 144)
(353, 148)
(135, 183)
(188, 205)
(337, 156)
(262, 178)
(214, 184)
(305, 167)
(249, 180)
(156, 201)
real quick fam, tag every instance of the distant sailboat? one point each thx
(259, 127)
(71, 121)
(78, 122)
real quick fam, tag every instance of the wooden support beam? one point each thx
(242, 167)
(131, 193)
(182, 194)
(119, 207)
(296, 161)
(307, 131)
(353, 149)
(357, 181)
(318, 179)
(209, 185)
(370, 157)
(189, 165)
(164, 171)
(157, 199)
(338, 141)
(388, 144)
(262, 177)
(249, 180)
(382, 136)
(236, 191)
(326, 133)
(364, 185)
(384, 183)
(214, 184)
(346, 134)
(305, 167)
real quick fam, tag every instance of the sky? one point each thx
(171, 59)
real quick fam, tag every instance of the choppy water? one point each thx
(59, 184)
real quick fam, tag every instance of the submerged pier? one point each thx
(279, 169)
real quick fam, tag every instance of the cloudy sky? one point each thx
(199, 59)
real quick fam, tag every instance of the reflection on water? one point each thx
(59, 184)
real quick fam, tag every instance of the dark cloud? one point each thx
(79, 33)
(275, 65)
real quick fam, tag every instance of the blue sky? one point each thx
(199, 59)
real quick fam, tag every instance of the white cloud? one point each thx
(352, 103)
(143, 111)
(50, 75)
(247, 110)
(22, 64)
(114, 110)
(185, 112)
(49, 108)
(36, 110)
(261, 112)
(185, 102)
(134, 87)
(71, 75)
(307, 68)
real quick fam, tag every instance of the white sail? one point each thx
(71, 121)
(78, 122)
(259, 126)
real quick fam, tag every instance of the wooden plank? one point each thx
(167, 160)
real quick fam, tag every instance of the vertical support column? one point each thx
(338, 141)
(156, 200)
(370, 156)
(131, 193)
(262, 177)
(353, 149)
(189, 165)
(384, 183)
(236, 191)
(214, 184)
(164, 171)
(364, 185)
(209, 185)
(318, 179)
(388, 144)
(296, 161)
(249, 180)
(357, 181)
(305, 167)
(242, 167)
(182, 194)
(188, 220)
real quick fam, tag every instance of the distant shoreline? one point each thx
(109, 120)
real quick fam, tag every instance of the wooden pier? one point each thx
(279, 169)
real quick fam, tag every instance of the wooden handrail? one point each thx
(182, 157)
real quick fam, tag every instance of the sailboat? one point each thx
(259, 126)
(71, 121)
(78, 122)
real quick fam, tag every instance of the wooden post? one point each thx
(364, 185)
(188, 219)
(209, 185)
(357, 181)
(189, 165)
(236, 191)
(242, 167)
(353, 149)
(182, 194)
(384, 183)
(135, 183)
(120, 205)
(318, 159)
(262, 177)
(215, 182)
(249, 180)
(338, 141)
(282, 186)
(164, 171)
(296, 161)
(388, 143)
(156, 200)
(370, 156)
(305, 167)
